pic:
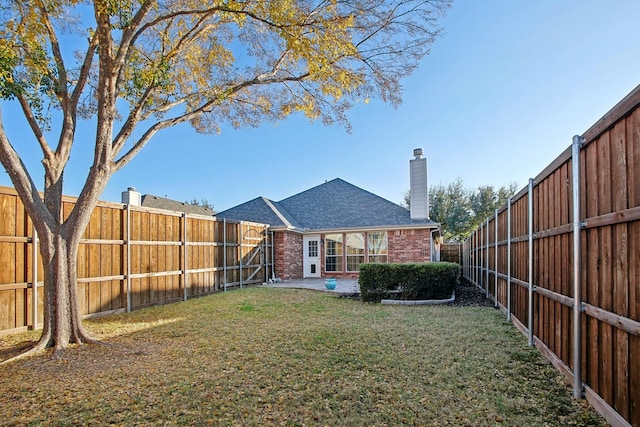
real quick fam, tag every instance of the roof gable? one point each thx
(261, 210)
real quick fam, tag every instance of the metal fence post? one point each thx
(128, 272)
(480, 257)
(266, 254)
(577, 296)
(530, 221)
(224, 253)
(486, 245)
(273, 255)
(185, 254)
(477, 259)
(240, 240)
(472, 258)
(509, 258)
(495, 259)
(463, 258)
(467, 257)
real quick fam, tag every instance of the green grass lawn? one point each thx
(262, 357)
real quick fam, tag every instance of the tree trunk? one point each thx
(62, 317)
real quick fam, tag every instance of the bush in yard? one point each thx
(433, 280)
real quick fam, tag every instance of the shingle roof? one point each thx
(261, 210)
(151, 201)
(335, 204)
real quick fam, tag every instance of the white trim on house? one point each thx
(277, 212)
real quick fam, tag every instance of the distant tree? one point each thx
(136, 67)
(486, 199)
(406, 199)
(460, 210)
(450, 207)
(203, 203)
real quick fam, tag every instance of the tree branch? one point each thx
(61, 80)
(85, 70)
(35, 127)
(22, 181)
(163, 124)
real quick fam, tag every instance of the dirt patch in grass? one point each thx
(259, 357)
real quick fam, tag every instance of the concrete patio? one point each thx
(344, 287)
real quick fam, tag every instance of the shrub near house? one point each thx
(422, 281)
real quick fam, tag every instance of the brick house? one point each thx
(330, 229)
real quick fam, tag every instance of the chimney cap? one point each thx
(417, 153)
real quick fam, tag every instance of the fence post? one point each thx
(530, 221)
(34, 278)
(577, 297)
(509, 258)
(266, 255)
(486, 245)
(240, 240)
(463, 257)
(469, 257)
(480, 257)
(128, 272)
(273, 254)
(495, 259)
(477, 260)
(224, 251)
(185, 280)
(474, 266)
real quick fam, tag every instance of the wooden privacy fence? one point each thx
(562, 259)
(130, 257)
(451, 252)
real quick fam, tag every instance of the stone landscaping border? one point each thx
(419, 302)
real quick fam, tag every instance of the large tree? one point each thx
(147, 65)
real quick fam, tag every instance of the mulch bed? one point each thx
(468, 295)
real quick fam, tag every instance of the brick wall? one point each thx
(410, 245)
(288, 253)
(403, 246)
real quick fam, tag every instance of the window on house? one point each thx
(333, 252)
(378, 247)
(355, 251)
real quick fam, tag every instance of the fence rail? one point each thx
(562, 260)
(129, 257)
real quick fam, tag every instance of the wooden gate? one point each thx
(252, 259)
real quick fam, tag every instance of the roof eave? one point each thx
(287, 228)
(429, 226)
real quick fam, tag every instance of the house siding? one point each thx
(288, 254)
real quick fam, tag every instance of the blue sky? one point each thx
(500, 96)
